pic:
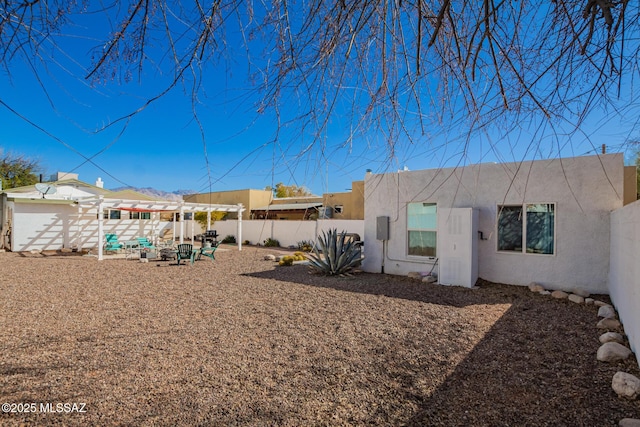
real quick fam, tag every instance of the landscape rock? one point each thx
(626, 385)
(581, 292)
(429, 279)
(607, 323)
(143, 260)
(600, 303)
(612, 352)
(607, 312)
(536, 287)
(545, 292)
(576, 298)
(611, 337)
(559, 294)
(588, 301)
(629, 422)
(415, 275)
(269, 257)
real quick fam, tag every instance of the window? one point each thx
(140, 215)
(527, 228)
(421, 228)
(338, 209)
(108, 214)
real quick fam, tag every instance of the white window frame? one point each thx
(523, 207)
(434, 230)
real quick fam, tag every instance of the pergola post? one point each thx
(240, 226)
(100, 227)
(181, 222)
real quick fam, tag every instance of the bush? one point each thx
(286, 260)
(305, 246)
(229, 239)
(246, 242)
(271, 242)
(339, 256)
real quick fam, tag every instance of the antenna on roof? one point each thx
(45, 189)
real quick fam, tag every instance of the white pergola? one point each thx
(100, 204)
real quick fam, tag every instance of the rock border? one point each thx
(612, 346)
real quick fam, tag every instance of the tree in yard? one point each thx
(17, 171)
(281, 191)
(201, 218)
(396, 73)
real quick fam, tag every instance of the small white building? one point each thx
(545, 221)
(71, 214)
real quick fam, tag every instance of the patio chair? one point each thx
(185, 251)
(208, 252)
(111, 243)
(145, 243)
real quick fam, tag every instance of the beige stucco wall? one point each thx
(584, 189)
(249, 198)
(352, 202)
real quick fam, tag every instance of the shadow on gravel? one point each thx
(402, 287)
(536, 366)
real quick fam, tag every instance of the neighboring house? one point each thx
(71, 214)
(545, 221)
(260, 204)
(249, 198)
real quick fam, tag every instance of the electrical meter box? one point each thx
(382, 228)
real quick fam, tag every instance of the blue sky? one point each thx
(59, 119)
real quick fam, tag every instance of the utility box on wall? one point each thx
(458, 246)
(382, 228)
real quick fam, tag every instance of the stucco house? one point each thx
(75, 215)
(545, 221)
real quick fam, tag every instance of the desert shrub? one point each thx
(305, 246)
(271, 242)
(299, 256)
(339, 256)
(286, 260)
(229, 239)
(246, 242)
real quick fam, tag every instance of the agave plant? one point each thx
(339, 256)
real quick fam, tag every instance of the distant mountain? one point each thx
(158, 194)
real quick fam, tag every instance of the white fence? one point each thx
(287, 233)
(624, 269)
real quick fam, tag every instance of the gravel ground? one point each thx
(240, 341)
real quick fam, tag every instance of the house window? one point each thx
(421, 228)
(140, 215)
(108, 214)
(338, 209)
(528, 228)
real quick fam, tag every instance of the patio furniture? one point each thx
(111, 243)
(185, 251)
(145, 243)
(131, 247)
(166, 253)
(208, 252)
